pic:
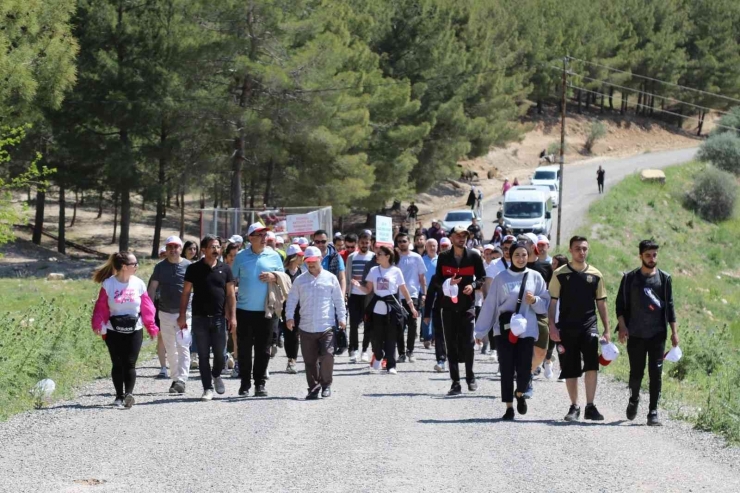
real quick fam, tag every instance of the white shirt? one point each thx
(321, 300)
(386, 282)
(412, 266)
(496, 267)
(124, 298)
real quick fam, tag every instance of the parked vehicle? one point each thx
(546, 176)
(528, 209)
(462, 218)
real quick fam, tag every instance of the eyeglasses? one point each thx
(135, 264)
(215, 247)
(320, 242)
(381, 254)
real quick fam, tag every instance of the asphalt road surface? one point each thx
(376, 433)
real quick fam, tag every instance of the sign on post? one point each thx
(384, 231)
(303, 224)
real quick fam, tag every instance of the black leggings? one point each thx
(652, 350)
(124, 351)
(384, 339)
(290, 337)
(550, 347)
(514, 357)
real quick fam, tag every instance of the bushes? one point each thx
(596, 131)
(713, 195)
(722, 150)
(554, 148)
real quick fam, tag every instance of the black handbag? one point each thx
(505, 318)
(124, 323)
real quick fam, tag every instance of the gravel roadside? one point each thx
(376, 432)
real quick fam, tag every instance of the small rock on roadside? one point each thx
(55, 276)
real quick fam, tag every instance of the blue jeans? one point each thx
(427, 330)
(211, 334)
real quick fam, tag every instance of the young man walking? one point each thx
(644, 311)
(255, 267)
(600, 173)
(414, 273)
(169, 279)
(356, 263)
(322, 305)
(465, 270)
(580, 289)
(212, 284)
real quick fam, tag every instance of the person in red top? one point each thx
(350, 246)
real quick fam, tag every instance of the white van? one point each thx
(528, 209)
(546, 176)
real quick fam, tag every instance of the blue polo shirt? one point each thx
(431, 265)
(247, 268)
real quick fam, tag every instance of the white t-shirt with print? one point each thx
(124, 298)
(386, 282)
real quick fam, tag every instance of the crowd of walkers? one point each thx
(219, 304)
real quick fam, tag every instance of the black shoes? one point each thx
(326, 392)
(652, 418)
(243, 391)
(260, 391)
(574, 413)
(401, 358)
(632, 408)
(508, 415)
(521, 404)
(592, 413)
(472, 386)
(313, 394)
(456, 389)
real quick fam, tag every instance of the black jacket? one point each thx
(396, 313)
(623, 304)
(470, 269)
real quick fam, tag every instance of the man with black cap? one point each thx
(464, 269)
(644, 310)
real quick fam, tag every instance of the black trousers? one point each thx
(384, 340)
(459, 330)
(601, 185)
(253, 330)
(211, 334)
(124, 351)
(356, 308)
(514, 357)
(407, 346)
(290, 337)
(440, 349)
(652, 350)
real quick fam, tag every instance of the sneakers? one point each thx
(326, 392)
(383, 363)
(128, 401)
(574, 413)
(313, 394)
(118, 402)
(521, 404)
(537, 371)
(632, 407)
(260, 391)
(207, 395)
(243, 391)
(508, 415)
(163, 373)
(592, 413)
(340, 351)
(273, 351)
(494, 356)
(529, 393)
(172, 388)
(456, 389)
(193, 361)
(440, 367)
(235, 371)
(427, 344)
(401, 359)
(548, 369)
(291, 367)
(230, 362)
(218, 383)
(267, 374)
(281, 341)
(365, 357)
(178, 387)
(412, 358)
(375, 367)
(353, 356)
(472, 386)
(392, 371)
(652, 418)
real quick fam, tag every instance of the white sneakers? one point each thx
(548, 370)
(375, 368)
(353, 356)
(412, 358)
(230, 362)
(440, 367)
(392, 371)
(207, 395)
(365, 357)
(494, 355)
(117, 403)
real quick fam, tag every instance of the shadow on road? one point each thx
(548, 422)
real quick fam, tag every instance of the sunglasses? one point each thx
(320, 242)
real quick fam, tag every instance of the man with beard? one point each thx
(420, 241)
(356, 263)
(644, 310)
(414, 273)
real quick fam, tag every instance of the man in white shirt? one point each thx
(356, 303)
(322, 305)
(414, 273)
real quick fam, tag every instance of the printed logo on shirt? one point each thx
(383, 284)
(126, 295)
(448, 271)
(589, 279)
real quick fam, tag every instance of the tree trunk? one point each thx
(252, 192)
(28, 195)
(539, 106)
(123, 238)
(74, 211)
(588, 101)
(268, 181)
(161, 186)
(182, 211)
(202, 200)
(611, 98)
(61, 247)
(215, 195)
(100, 204)
(679, 118)
(38, 224)
(601, 110)
(701, 123)
(579, 101)
(82, 198)
(115, 216)
(639, 101)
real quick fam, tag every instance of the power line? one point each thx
(707, 93)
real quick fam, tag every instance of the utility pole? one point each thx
(562, 149)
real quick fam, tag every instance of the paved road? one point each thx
(376, 433)
(580, 190)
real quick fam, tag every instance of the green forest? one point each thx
(348, 103)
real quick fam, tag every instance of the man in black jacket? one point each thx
(465, 269)
(644, 310)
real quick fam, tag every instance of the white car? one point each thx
(554, 194)
(462, 218)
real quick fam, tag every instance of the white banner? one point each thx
(384, 230)
(303, 224)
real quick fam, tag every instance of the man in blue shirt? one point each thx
(430, 262)
(254, 267)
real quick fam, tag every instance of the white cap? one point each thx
(162, 249)
(367, 232)
(445, 241)
(543, 239)
(236, 239)
(294, 250)
(270, 235)
(337, 234)
(312, 253)
(450, 290)
(173, 240)
(295, 241)
(518, 324)
(531, 237)
(255, 228)
(280, 240)
(488, 247)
